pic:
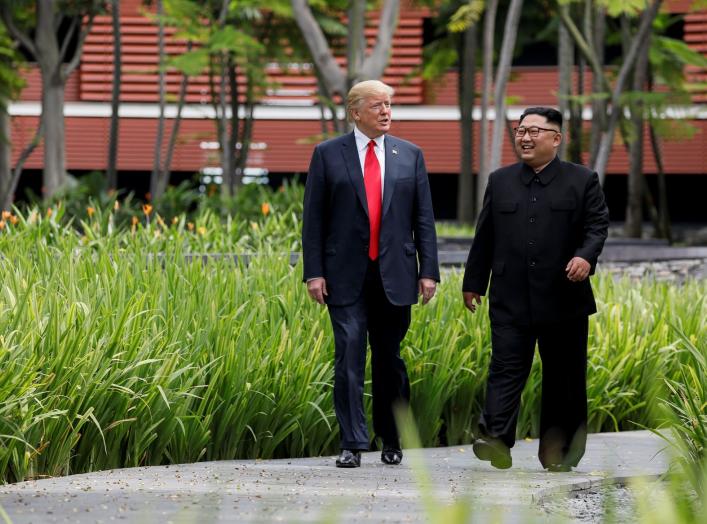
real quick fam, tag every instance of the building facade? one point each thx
(424, 112)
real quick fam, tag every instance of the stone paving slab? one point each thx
(313, 490)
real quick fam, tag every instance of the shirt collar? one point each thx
(362, 140)
(545, 176)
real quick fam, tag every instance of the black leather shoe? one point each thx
(558, 468)
(349, 458)
(391, 455)
(493, 450)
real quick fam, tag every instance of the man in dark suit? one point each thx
(367, 220)
(541, 229)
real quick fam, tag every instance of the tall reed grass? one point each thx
(111, 356)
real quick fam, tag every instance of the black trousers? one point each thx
(386, 325)
(563, 418)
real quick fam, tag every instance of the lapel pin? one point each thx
(395, 151)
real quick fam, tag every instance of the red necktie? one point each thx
(372, 181)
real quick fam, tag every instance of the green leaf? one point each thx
(466, 16)
(191, 63)
(680, 51)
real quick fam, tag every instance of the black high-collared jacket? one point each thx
(529, 228)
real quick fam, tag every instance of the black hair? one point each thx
(553, 116)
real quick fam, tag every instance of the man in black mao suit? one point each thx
(539, 234)
(367, 221)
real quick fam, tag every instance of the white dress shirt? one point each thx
(362, 147)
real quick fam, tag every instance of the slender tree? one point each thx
(337, 80)
(616, 90)
(565, 67)
(50, 49)
(634, 205)
(112, 171)
(503, 73)
(158, 184)
(11, 83)
(466, 195)
(487, 66)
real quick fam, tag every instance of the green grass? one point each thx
(111, 356)
(453, 229)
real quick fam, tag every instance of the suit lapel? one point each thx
(391, 172)
(353, 166)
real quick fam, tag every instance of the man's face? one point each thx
(373, 116)
(540, 150)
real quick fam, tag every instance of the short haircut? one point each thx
(362, 90)
(553, 116)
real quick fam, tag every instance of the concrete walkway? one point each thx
(313, 490)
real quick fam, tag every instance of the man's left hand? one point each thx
(578, 269)
(426, 287)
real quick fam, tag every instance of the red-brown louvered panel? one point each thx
(33, 88)
(132, 7)
(696, 38)
(295, 85)
(285, 151)
(526, 86)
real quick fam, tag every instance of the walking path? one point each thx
(313, 490)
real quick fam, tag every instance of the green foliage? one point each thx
(616, 8)
(467, 15)
(119, 349)
(11, 83)
(686, 403)
(78, 202)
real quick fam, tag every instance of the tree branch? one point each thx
(16, 33)
(374, 64)
(639, 40)
(324, 60)
(583, 46)
(82, 39)
(67, 38)
(24, 155)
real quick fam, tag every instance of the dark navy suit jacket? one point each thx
(335, 229)
(529, 228)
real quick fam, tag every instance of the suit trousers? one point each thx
(563, 417)
(385, 324)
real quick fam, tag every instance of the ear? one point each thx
(557, 140)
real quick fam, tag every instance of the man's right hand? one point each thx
(469, 298)
(317, 289)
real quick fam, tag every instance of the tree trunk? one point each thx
(224, 140)
(167, 168)
(633, 227)
(565, 61)
(639, 40)
(156, 183)
(466, 199)
(112, 174)
(598, 104)
(502, 74)
(356, 48)
(49, 60)
(6, 196)
(24, 155)
(235, 135)
(664, 229)
(487, 66)
(54, 137)
(55, 66)
(575, 124)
